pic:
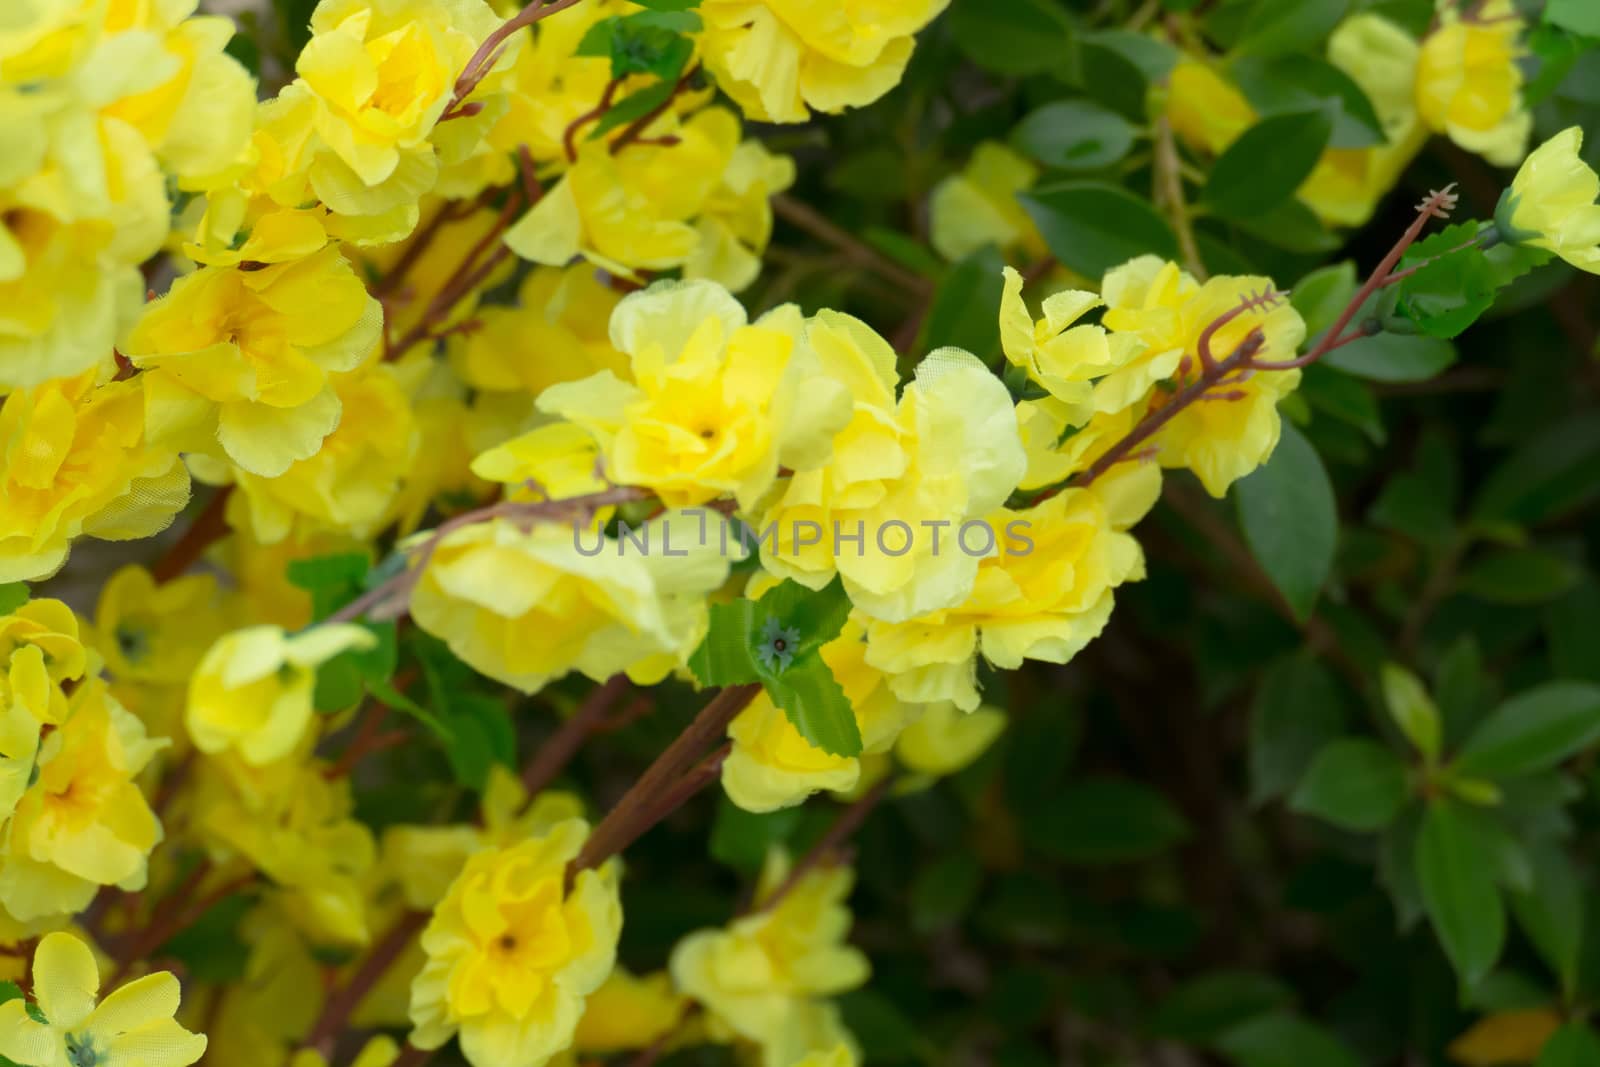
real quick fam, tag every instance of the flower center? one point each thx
(81, 1051)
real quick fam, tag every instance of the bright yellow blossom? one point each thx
(629, 1012)
(75, 462)
(133, 1025)
(905, 475)
(778, 59)
(83, 823)
(1045, 593)
(527, 606)
(1551, 203)
(771, 766)
(979, 206)
(718, 405)
(1063, 358)
(735, 223)
(252, 690)
(39, 653)
(945, 739)
(245, 358)
(632, 210)
(1204, 108)
(352, 483)
(1469, 84)
(513, 953)
(763, 968)
(381, 73)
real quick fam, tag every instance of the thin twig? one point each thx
(1168, 179)
(807, 218)
(562, 745)
(489, 52)
(842, 830)
(206, 529)
(338, 1008)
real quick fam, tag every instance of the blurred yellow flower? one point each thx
(252, 691)
(1469, 84)
(629, 1012)
(779, 59)
(979, 206)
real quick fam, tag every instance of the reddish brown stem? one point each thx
(207, 528)
(569, 138)
(639, 808)
(338, 1008)
(372, 717)
(636, 129)
(412, 1056)
(842, 830)
(558, 750)
(488, 53)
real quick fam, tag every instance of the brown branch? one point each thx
(172, 918)
(642, 123)
(802, 215)
(637, 811)
(207, 528)
(569, 137)
(842, 830)
(561, 746)
(489, 52)
(338, 1008)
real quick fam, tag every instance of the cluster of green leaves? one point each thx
(653, 43)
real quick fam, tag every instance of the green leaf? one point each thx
(1520, 576)
(1533, 731)
(639, 104)
(1574, 1045)
(1421, 500)
(1455, 871)
(1551, 910)
(213, 950)
(1344, 398)
(816, 705)
(1412, 709)
(1569, 628)
(741, 839)
(12, 596)
(1448, 294)
(1204, 1007)
(1074, 135)
(343, 679)
(1580, 16)
(1354, 783)
(943, 891)
(1549, 474)
(1275, 84)
(669, 5)
(1267, 163)
(392, 698)
(1297, 711)
(481, 735)
(10, 991)
(1320, 296)
(1284, 1040)
(1277, 28)
(1116, 69)
(1289, 519)
(333, 581)
(1290, 225)
(1091, 227)
(1104, 820)
(1017, 37)
(963, 309)
(1393, 357)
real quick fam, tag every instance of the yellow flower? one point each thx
(426, 859)
(135, 1024)
(39, 653)
(1204, 108)
(718, 405)
(1233, 430)
(84, 823)
(771, 766)
(779, 58)
(904, 477)
(1551, 203)
(1506, 1037)
(527, 606)
(252, 690)
(629, 1012)
(1063, 358)
(380, 1051)
(945, 739)
(513, 954)
(1045, 593)
(156, 634)
(736, 222)
(63, 295)
(1469, 84)
(765, 967)
(633, 210)
(198, 120)
(245, 357)
(260, 1019)
(75, 462)
(382, 73)
(979, 206)
(555, 334)
(352, 483)
(295, 825)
